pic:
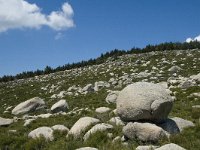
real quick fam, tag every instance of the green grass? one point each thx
(12, 94)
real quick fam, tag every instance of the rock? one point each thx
(170, 126)
(60, 128)
(182, 124)
(62, 94)
(29, 106)
(96, 128)
(28, 121)
(149, 147)
(88, 88)
(187, 84)
(44, 115)
(116, 121)
(170, 146)
(174, 69)
(144, 101)
(102, 110)
(112, 97)
(143, 75)
(46, 132)
(5, 122)
(60, 106)
(87, 148)
(81, 125)
(145, 132)
(116, 139)
(100, 84)
(12, 131)
(196, 107)
(196, 77)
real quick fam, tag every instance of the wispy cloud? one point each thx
(188, 40)
(18, 14)
(59, 36)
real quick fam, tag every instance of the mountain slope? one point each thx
(86, 89)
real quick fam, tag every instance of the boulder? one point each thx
(112, 97)
(145, 132)
(182, 123)
(96, 128)
(30, 105)
(28, 121)
(174, 69)
(101, 84)
(144, 101)
(175, 125)
(88, 88)
(45, 132)
(146, 147)
(170, 146)
(170, 126)
(81, 126)
(87, 148)
(60, 106)
(60, 127)
(101, 110)
(195, 77)
(116, 121)
(5, 122)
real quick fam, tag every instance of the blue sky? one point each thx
(94, 27)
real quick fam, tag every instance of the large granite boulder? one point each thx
(144, 101)
(29, 106)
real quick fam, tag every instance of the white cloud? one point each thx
(18, 14)
(188, 40)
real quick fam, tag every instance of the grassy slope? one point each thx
(12, 94)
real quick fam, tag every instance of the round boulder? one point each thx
(61, 105)
(45, 132)
(145, 132)
(144, 101)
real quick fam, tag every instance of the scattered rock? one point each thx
(112, 97)
(170, 146)
(60, 128)
(116, 121)
(196, 106)
(174, 69)
(46, 132)
(149, 147)
(5, 122)
(144, 101)
(28, 121)
(87, 148)
(60, 106)
(145, 132)
(29, 106)
(182, 124)
(170, 126)
(88, 88)
(44, 115)
(101, 110)
(96, 128)
(81, 125)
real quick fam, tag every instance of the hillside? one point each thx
(97, 86)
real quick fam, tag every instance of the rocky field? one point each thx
(138, 101)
